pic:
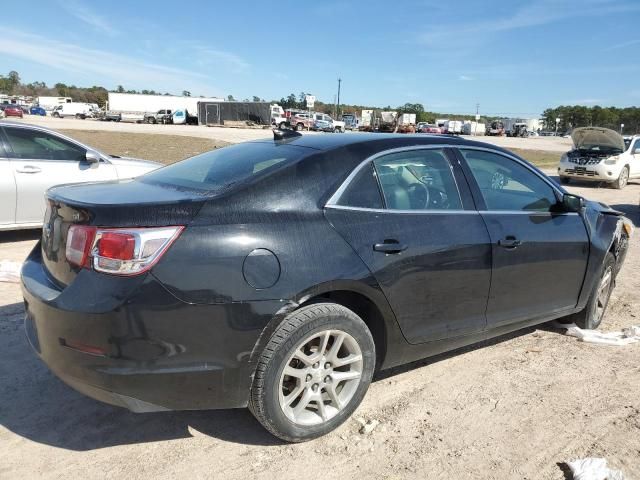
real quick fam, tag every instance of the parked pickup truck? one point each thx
(316, 121)
(329, 124)
(161, 116)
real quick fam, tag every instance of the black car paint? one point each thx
(187, 334)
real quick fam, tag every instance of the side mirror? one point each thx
(92, 157)
(572, 203)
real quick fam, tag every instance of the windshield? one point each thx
(217, 170)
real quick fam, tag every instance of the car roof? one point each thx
(330, 142)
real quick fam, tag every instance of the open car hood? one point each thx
(597, 136)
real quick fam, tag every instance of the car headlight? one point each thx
(611, 160)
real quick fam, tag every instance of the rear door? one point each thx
(422, 239)
(39, 160)
(539, 253)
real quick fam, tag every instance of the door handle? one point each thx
(389, 246)
(28, 169)
(509, 242)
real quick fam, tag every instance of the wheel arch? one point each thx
(368, 302)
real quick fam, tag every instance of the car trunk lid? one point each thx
(108, 204)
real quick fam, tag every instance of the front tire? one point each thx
(593, 313)
(622, 180)
(313, 373)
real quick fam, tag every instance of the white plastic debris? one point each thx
(626, 336)
(369, 427)
(9, 271)
(593, 469)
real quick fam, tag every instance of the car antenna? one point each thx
(285, 133)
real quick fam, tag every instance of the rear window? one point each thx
(219, 169)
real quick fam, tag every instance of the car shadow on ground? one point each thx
(38, 406)
(20, 235)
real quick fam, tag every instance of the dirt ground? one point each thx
(515, 407)
(162, 148)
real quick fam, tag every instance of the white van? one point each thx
(73, 109)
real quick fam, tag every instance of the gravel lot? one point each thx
(517, 408)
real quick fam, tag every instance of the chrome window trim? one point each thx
(526, 212)
(452, 211)
(390, 210)
(333, 200)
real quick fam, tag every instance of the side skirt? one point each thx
(411, 353)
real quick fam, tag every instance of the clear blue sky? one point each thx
(511, 57)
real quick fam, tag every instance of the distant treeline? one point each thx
(570, 116)
(581, 116)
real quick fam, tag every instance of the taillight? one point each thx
(119, 251)
(117, 246)
(79, 242)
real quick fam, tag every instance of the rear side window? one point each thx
(219, 169)
(362, 191)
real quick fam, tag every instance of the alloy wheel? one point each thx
(624, 177)
(604, 292)
(320, 377)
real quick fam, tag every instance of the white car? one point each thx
(602, 155)
(32, 159)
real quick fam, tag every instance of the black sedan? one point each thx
(280, 274)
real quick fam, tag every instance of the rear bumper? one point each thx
(155, 352)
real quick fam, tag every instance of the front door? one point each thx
(430, 254)
(539, 254)
(40, 160)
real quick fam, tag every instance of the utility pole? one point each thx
(338, 104)
(475, 130)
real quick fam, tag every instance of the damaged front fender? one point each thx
(609, 231)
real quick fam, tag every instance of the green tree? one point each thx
(230, 98)
(186, 93)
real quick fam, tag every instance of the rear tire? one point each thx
(593, 313)
(323, 388)
(300, 126)
(622, 180)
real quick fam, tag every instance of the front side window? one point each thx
(507, 185)
(38, 145)
(418, 180)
